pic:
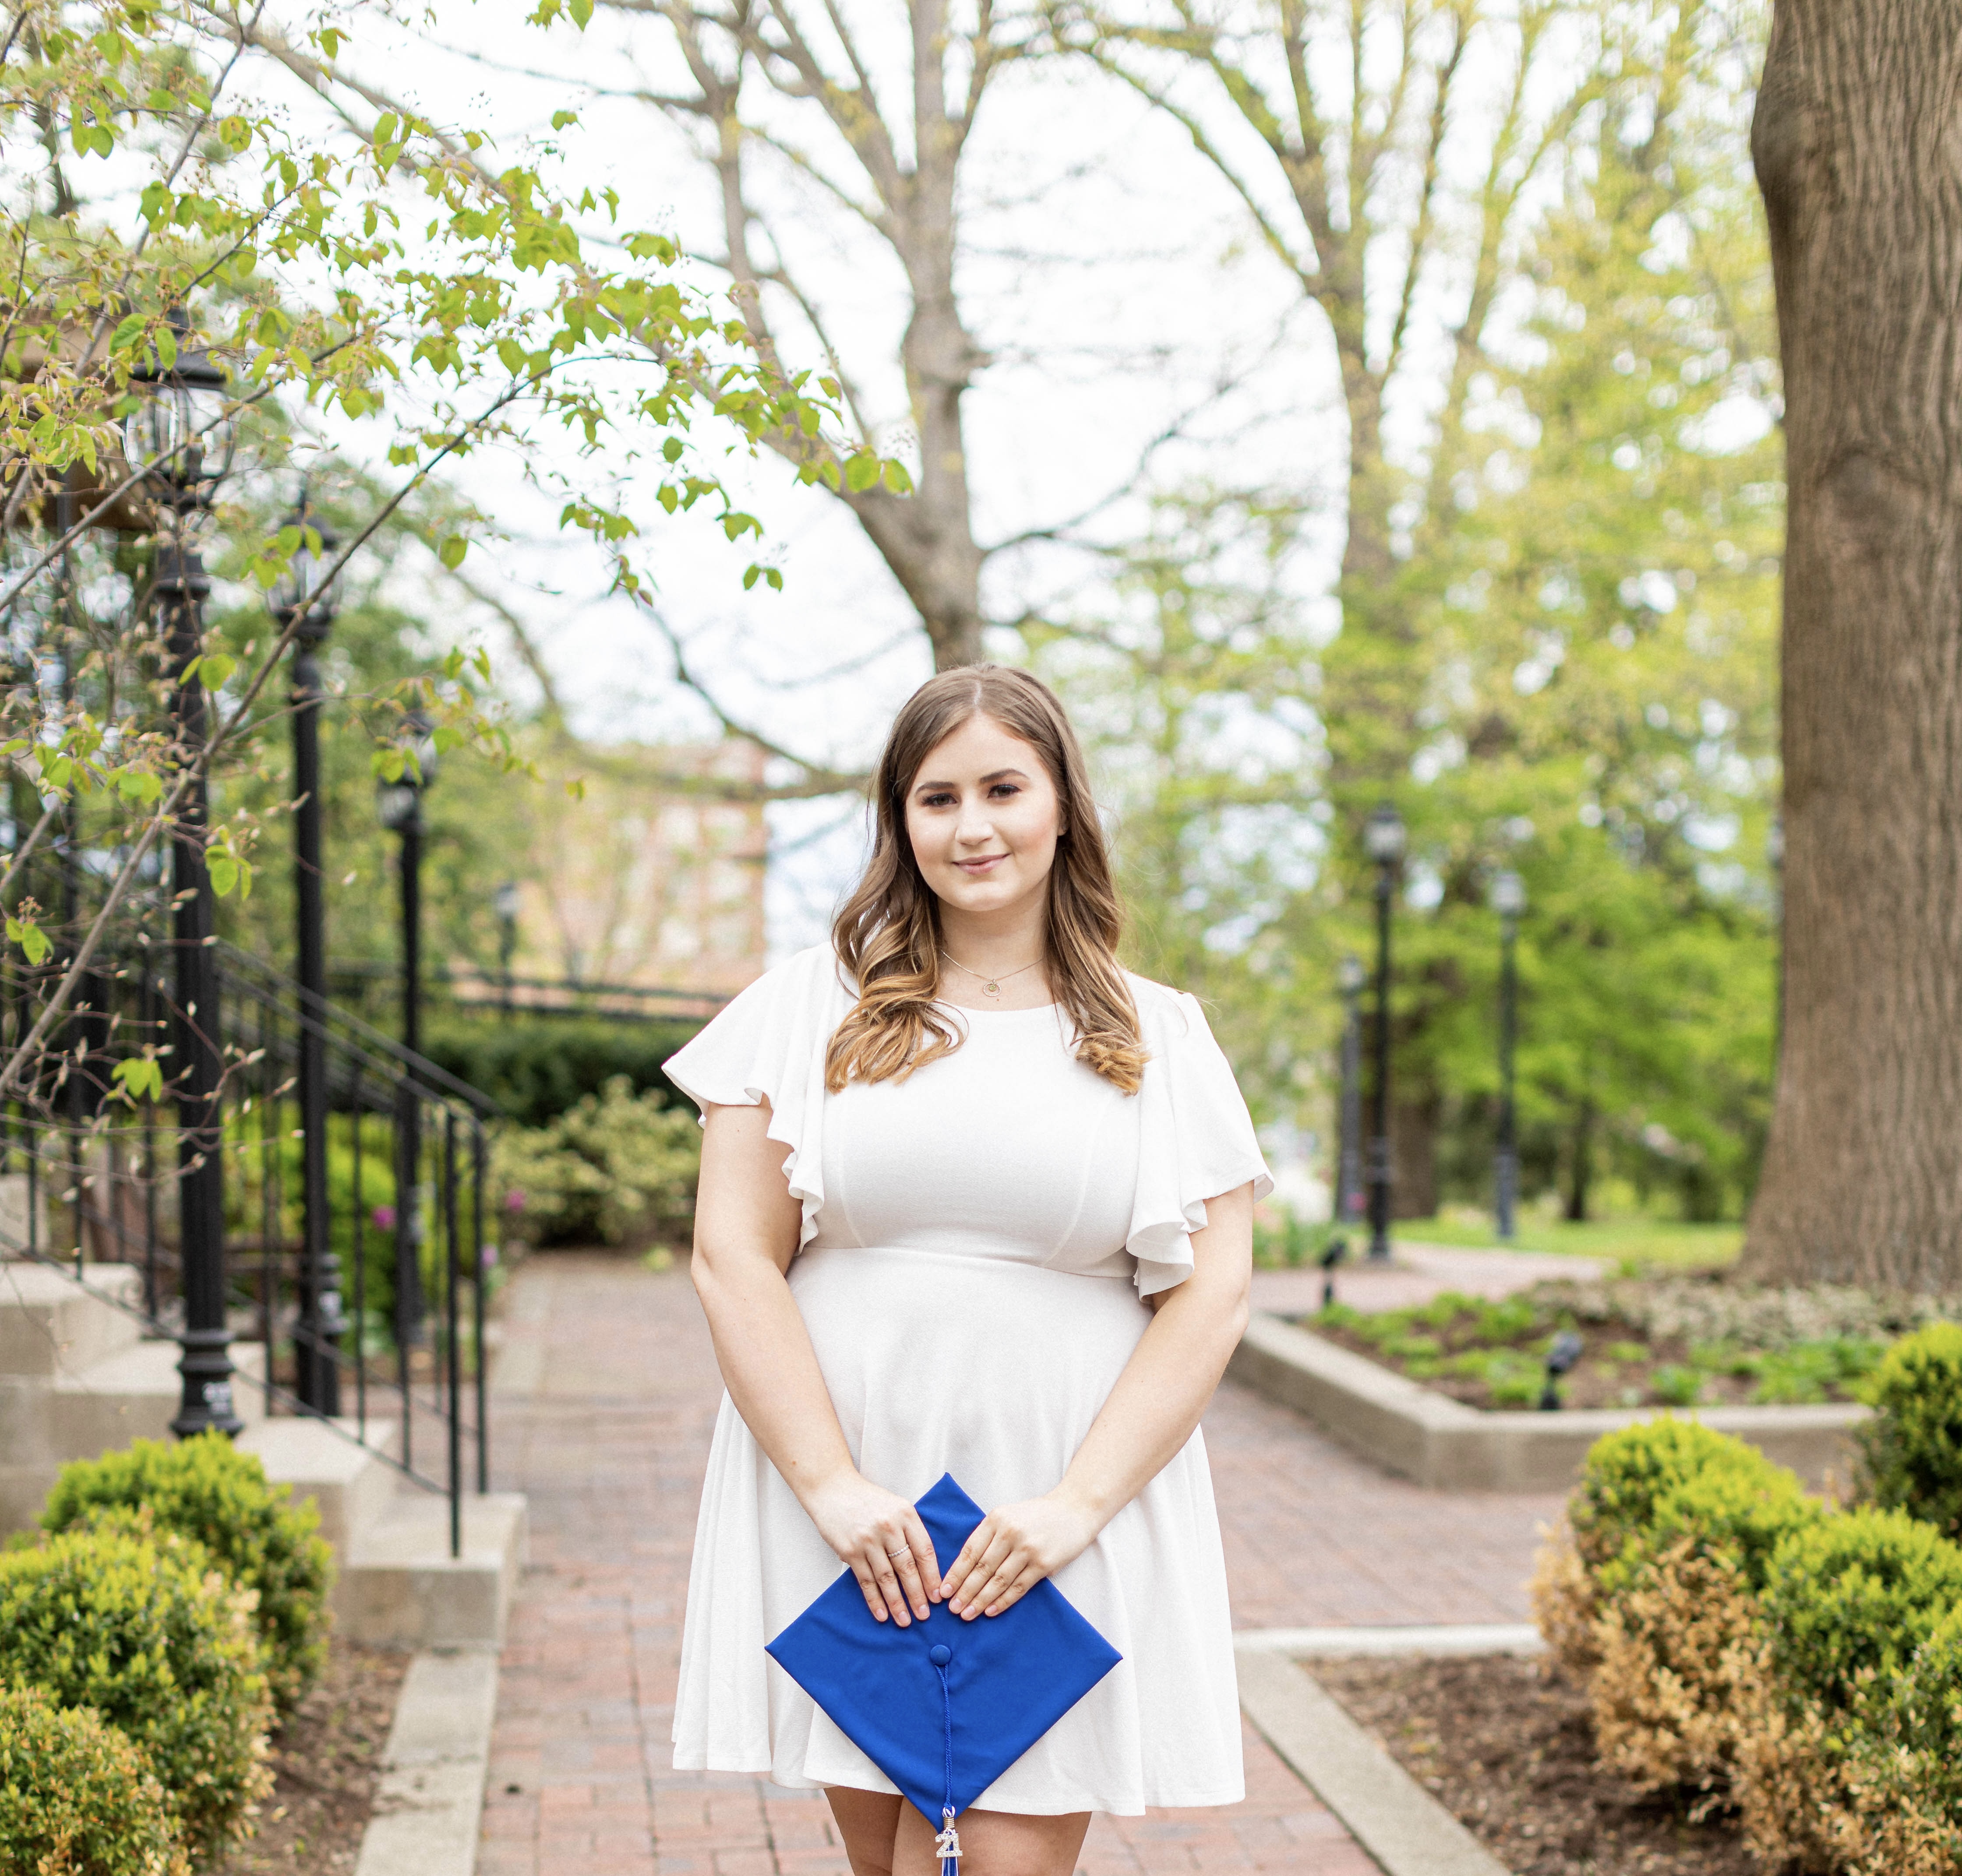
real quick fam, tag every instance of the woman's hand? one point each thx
(880, 1539)
(1012, 1550)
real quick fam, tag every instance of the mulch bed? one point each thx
(1509, 1750)
(327, 1760)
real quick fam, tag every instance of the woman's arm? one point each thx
(1149, 1416)
(746, 1223)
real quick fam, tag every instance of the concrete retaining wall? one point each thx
(1408, 1429)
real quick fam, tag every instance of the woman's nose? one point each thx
(974, 829)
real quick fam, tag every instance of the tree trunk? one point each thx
(1580, 1168)
(1858, 149)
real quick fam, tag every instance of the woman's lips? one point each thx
(981, 865)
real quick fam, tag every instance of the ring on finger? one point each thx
(905, 1550)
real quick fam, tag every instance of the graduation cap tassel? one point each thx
(946, 1846)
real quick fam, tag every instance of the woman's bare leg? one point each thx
(867, 1821)
(993, 1843)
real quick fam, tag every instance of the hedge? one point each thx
(536, 1068)
(150, 1634)
(207, 1490)
(77, 1798)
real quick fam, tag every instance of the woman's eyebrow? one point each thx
(998, 775)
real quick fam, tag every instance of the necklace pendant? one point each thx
(990, 989)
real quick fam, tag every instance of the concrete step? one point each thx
(135, 1394)
(400, 1587)
(351, 1483)
(50, 1325)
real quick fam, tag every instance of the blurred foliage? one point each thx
(536, 1067)
(1591, 653)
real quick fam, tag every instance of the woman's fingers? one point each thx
(1018, 1587)
(906, 1566)
(988, 1597)
(921, 1545)
(874, 1601)
(968, 1599)
(885, 1573)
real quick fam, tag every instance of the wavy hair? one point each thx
(887, 933)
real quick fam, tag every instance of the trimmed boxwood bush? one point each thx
(1647, 1486)
(154, 1637)
(1856, 1595)
(76, 1798)
(206, 1489)
(1913, 1446)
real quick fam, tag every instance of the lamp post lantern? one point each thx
(1383, 838)
(505, 903)
(399, 805)
(1509, 901)
(305, 603)
(1349, 978)
(180, 429)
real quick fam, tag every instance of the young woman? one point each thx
(975, 1200)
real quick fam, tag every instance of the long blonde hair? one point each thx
(887, 934)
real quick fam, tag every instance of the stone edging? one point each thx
(429, 1809)
(1388, 1812)
(1407, 1429)
(1432, 1641)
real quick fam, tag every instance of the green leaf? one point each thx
(861, 471)
(31, 938)
(225, 872)
(896, 478)
(138, 1077)
(215, 668)
(452, 551)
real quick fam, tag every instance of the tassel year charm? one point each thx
(946, 1846)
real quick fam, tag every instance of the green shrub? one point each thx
(76, 1798)
(1632, 1476)
(1854, 1595)
(537, 1068)
(153, 1637)
(619, 1165)
(1913, 1446)
(206, 1489)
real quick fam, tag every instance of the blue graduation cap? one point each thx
(944, 1707)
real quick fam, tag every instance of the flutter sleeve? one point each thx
(768, 1045)
(1196, 1137)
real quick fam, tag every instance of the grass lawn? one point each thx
(1634, 1244)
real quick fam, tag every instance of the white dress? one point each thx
(976, 1241)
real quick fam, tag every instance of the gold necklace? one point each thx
(990, 986)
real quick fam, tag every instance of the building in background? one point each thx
(651, 879)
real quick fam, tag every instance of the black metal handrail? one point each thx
(539, 996)
(406, 1205)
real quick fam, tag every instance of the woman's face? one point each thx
(983, 818)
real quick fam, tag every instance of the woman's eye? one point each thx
(1004, 789)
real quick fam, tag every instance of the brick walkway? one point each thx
(606, 1397)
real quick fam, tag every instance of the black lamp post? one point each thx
(505, 902)
(179, 420)
(1509, 901)
(1350, 977)
(306, 603)
(400, 807)
(1383, 837)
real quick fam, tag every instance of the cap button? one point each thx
(940, 1654)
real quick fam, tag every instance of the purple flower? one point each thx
(514, 1200)
(384, 1216)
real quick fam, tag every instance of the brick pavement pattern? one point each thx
(607, 1392)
